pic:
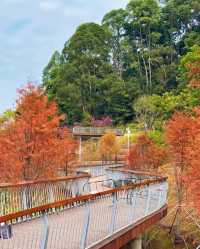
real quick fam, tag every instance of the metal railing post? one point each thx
(159, 198)
(148, 201)
(24, 198)
(85, 227)
(2, 203)
(51, 194)
(133, 204)
(43, 244)
(114, 212)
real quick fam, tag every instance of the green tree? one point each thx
(84, 81)
(182, 19)
(51, 74)
(190, 67)
(146, 108)
(142, 28)
(151, 60)
(84, 63)
(103, 69)
(115, 22)
(117, 98)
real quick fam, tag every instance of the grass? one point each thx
(160, 240)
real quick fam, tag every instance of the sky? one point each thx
(31, 31)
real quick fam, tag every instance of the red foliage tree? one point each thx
(109, 146)
(192, 176)
(145, 155)
(180, 134)
(191, 66)
(192, 155)
(194, 73)
(30, 146)
(66, 150)
(180, 131)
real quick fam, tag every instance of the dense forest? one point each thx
(136, 58)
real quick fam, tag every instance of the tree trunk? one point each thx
(179, 194)
(150, 72)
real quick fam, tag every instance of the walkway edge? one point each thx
(126, 234)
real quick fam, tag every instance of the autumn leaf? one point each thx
(31, 146)
(145, 155)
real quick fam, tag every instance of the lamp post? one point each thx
(128, 135)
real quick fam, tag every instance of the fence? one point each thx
(19, 197)
(107, 176)
(86, 220)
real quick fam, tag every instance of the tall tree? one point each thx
(147, 110)
(136, 51)
(115, 22)
(182, 18)
(51, 74)
(86, 55)
(31, 147)
(84, 81)
(179, 138)
(66, 151)
(85, 63)
(144, 20)
(145, 155)
(109, 146)
(190, 65)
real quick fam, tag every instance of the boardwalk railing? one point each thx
(90, 220)
(126, 176)
(23, 196)
(95, 131)
(98, 170)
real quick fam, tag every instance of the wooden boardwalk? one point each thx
(87, 222)
(66, 227)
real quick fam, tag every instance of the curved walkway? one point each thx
(88, 221)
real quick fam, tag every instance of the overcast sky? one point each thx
(30, 31)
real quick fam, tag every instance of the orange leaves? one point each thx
(183, 137)
(194, 73)
(66, 148)
(145, 155)
(180, 134)
(192, 64)
(109, 146)
(31, 146)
